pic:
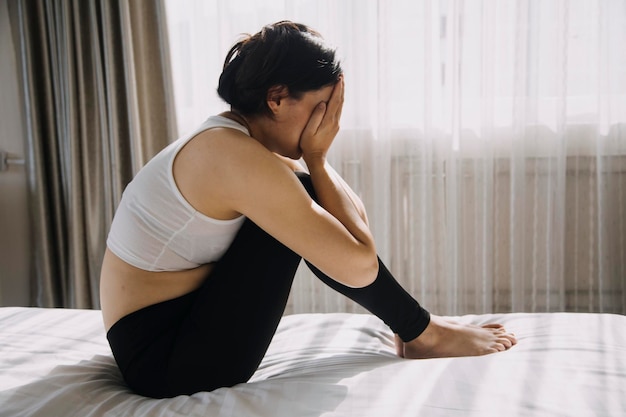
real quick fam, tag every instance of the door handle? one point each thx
(6, 160)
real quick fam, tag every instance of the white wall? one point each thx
(14, 225)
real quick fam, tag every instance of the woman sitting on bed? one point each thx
(207, 238)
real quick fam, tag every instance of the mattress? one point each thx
(56, 362)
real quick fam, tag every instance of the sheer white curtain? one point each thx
(486, 138)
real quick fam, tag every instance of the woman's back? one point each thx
(156, 229)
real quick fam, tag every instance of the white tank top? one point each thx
(156, 229)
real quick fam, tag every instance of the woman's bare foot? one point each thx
(446, 338)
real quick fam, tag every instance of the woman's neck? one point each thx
(239, 118)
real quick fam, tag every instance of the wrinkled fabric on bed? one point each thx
(56, 362)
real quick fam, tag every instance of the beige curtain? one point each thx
(95, 89)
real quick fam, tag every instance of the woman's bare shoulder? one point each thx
(221, 167)
(294, 165)
(231, 146)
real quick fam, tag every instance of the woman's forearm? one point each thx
(358, 204)
(335, 196)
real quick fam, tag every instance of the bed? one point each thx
(56, 362)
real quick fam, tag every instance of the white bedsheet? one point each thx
(56, 362)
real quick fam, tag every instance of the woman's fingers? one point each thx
(342, 85)
(330, 123)
(335, 104)
(323, 124)
(315, 120)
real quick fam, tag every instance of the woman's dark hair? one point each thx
(284, 53)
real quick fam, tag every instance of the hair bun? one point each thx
(284, 53)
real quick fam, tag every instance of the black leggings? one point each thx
(217, 335)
